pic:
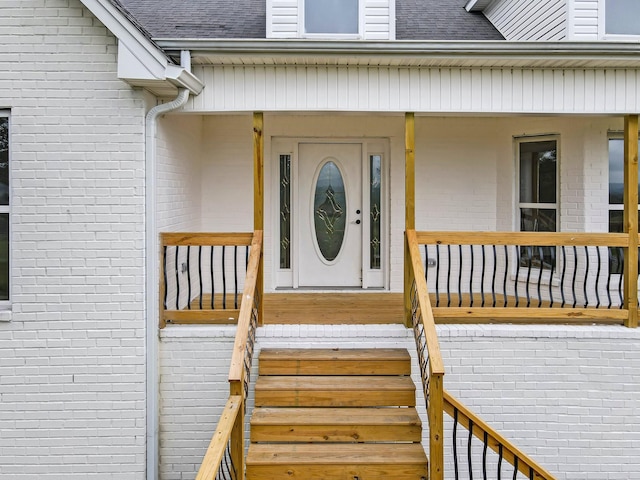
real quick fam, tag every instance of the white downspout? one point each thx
(151, 274)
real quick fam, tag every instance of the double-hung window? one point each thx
(616, 199)
(621, 17)
(331, 17)
(4, 207)
(538, 194)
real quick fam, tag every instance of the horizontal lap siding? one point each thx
(527, 20)
(388, 89)
(282, 19)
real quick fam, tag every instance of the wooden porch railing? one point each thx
(202, 276)
(531, 277)
(224, 459)
(419, 316)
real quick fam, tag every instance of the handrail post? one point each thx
(435, 412)
(163, 320)
(237, 433)
(631, 218)
(258, 198)
(410, 207)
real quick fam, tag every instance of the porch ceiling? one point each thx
(409, 53)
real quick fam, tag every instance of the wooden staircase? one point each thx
(335, 414)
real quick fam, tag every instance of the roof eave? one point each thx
(405, 51)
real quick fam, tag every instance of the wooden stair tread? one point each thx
(336, 425)
(383, 361)
(335, 416)
(336, 391)
(336, 383)
(336, 453)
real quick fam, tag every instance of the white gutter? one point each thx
(151, 274)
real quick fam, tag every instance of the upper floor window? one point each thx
(333, 17)
(622, 17)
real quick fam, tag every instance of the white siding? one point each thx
(377, 19)
(527, 20)
(584, 19)
(388, 89)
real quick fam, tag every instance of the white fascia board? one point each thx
(477, 5)
(139, 59)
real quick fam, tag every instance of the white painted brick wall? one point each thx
(72, 393)
(567, 396)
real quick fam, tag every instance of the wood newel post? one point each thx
(631, 218)
(162, 289)
(237, 433)
(410, 207)
(258, 199)
(435, 412)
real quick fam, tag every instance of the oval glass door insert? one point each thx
(329, 207)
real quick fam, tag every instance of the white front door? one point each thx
(330, 215)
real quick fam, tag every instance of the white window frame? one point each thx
(602, 27)
(520, 205)
(334, 36)
(5, 305)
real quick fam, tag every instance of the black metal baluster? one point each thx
(200, 272)
(573, 279)
(213, 283)
(469, 458)
(531, 475)
(166, 280)
(482, 274)
(499, 461)
(506, 272)
(177, 278)
(586, 276)
(460, 275)
(224, 280)
(437, 275)
(620, 280)
(515, 468)
(189, 277)
(484, 456)
(564, 271)
(598, 277)
(426, 264)
(530, 267)
(517, 273)
(541, 254)
(471, 278)
(495, 276)
(235, 276)
(448, 275)
(552, 250)
(455, 442)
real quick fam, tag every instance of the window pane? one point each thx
(537, 220)
(331, 16)
(4, 161)
(622, 17)
(616, 171)
(4, 256)
(538, 172)
(285, 211)
(375, 178)
(329, 206)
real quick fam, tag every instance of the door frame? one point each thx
(371, 278)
